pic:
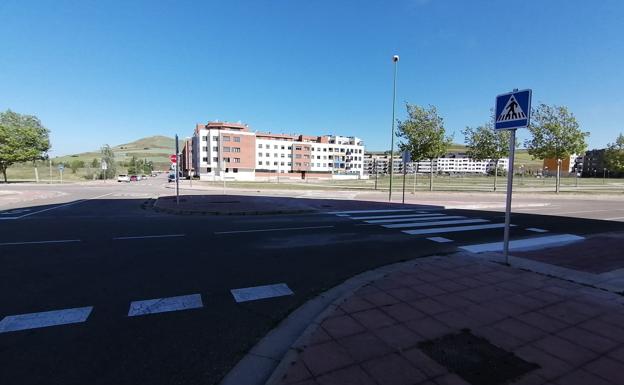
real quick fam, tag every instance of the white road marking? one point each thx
(443, 217)
(64, 205)
(277, 229)
(439, 223)
(44, 319)
(536, 230)
(261, 292)
(150, 236)
(613, 219)
(396, 216)
(372, 211)
(523, 243)
(579, 212)
(454, 229)
(162, 305)
(39, 242)
(440, 239)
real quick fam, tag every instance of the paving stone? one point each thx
(319, 336)
(428, 327)
(587, 339)
(551, 367)
(398, 337)
(457, 319)
(402, 312)
(565, 312)
(381, 299)
(428, 289)
(451, 379)
(297, 372)
(484, 293)
(530, 379)
(373, 319)
(449, 286)
(498, 337)
(581, 377)
(325, 357)
(405, 294)
(429, 306)
(453, 301)
(342, 326)
(355, 304)
(364, 346)
(352, 375)
(617, 354)
(542, 321)
(519, 329)
(393, 369)
(607, 368)
(567, 351)
(424, 363)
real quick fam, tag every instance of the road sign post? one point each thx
(512, 111)
(61, 167)
(407, 157)
(174, 159)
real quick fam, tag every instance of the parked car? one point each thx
(133, 178)
(123, 178)
(143, 177)
(171, 177)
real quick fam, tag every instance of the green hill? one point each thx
(152, 148)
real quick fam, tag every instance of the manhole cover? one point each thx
(475, 359)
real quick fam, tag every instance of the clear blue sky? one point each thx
(110, 72)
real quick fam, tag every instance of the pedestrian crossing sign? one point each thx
(513, 110)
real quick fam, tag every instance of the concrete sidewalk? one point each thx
(566, 333)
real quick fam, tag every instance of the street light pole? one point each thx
(395, 59)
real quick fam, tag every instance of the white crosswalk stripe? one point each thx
(396, 216)
(373, 211)
(455, 229)
(438, 223)
(523, 243)
(398, 220)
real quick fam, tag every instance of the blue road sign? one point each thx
(407, 156)
(513, 110)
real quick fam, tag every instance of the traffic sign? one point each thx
(173, 158)
(407, 156)
(513, 110)
(61, 167)
(104, 165)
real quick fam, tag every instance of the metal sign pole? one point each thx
(177, 171)
(404, 175)
(512, 150)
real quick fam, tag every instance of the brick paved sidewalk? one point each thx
(574, 333)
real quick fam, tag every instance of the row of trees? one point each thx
(555, 133)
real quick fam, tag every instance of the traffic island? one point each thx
(264, 205)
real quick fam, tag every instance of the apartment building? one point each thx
(232, 151)
(453, 163)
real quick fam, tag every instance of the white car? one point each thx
(123, 178)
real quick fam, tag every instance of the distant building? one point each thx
(453, 163)
(594, 163)
(232, 151)
(186, 159)
(568, 165)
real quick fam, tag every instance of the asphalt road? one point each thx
(100, 247)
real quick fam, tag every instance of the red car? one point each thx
(133, 178)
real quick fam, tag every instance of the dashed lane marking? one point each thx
(454, 229)
(438, 223)
(524, 243)
(276, 229)
(261, 292)
(39, 242)
(149, 236)
(536, 230)
(44, 319)
(63, 205)
(162, 305)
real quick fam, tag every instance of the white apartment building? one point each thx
(232, 151)
(454, 163)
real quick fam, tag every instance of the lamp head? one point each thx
(395, 58)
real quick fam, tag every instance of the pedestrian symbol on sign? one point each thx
(511, 111)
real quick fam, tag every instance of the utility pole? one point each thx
(395, 59)
(177, 171)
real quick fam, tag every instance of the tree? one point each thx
(614, 155)
(133, 166)
(556, 134)
(75, 165)
(22, 138)
(95, 163)
(108, 156)
(424, 135)
(485, 143)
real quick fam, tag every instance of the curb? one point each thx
(168, 210)
(269, 359)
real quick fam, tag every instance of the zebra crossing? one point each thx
(436, 223)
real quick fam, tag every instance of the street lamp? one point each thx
(395, 59)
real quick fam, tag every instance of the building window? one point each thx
(282, 155)
(226, 138)
(298, 148)
(208, 169)
(290, 147)
(215, 159)
(275, 147)
(226, 160)
(215, 138)
(259, 145)
(290, 155)
(260, 155)
(226, 149)
(289, 163)
(236, 160)
(282, 163)
(205, 159)
(215, 149)
(204, 138)
(235, 149)
(274, 163)
(297, 156)
(237, 139)
(205, 148)
(282, 147)
(260, 163)
(235, 169)
(267, 155)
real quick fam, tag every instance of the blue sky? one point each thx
(100, 72)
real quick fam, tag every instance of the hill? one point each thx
(152, 148)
